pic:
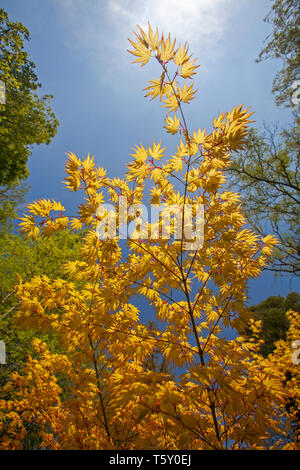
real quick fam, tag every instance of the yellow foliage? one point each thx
(227, 395)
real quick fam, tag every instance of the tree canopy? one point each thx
(284, 43)
(272, 313)
(267, 175)
(22, 258)
(25, 117)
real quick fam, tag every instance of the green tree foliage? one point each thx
(10, 198)
(267, 175)
(272, 313)
(284, 43)
(20, 257)
(25, 117)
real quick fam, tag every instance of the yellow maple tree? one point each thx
(221, 393)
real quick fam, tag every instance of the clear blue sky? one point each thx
(79, 48)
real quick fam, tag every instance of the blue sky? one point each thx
(79, 48)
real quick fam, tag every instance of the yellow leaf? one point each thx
(172, 124)
(187, 69)
(156, 151)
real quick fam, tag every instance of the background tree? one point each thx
(267, 171)
(284, 43)
(11, 196)
(272, 313)
(267, 175)
(285, 358)
(25, 118)
(20, 257)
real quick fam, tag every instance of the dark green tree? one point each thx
(272, 313)
(25, 117)
(11, 196)
(275, 326)
(20, 257)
